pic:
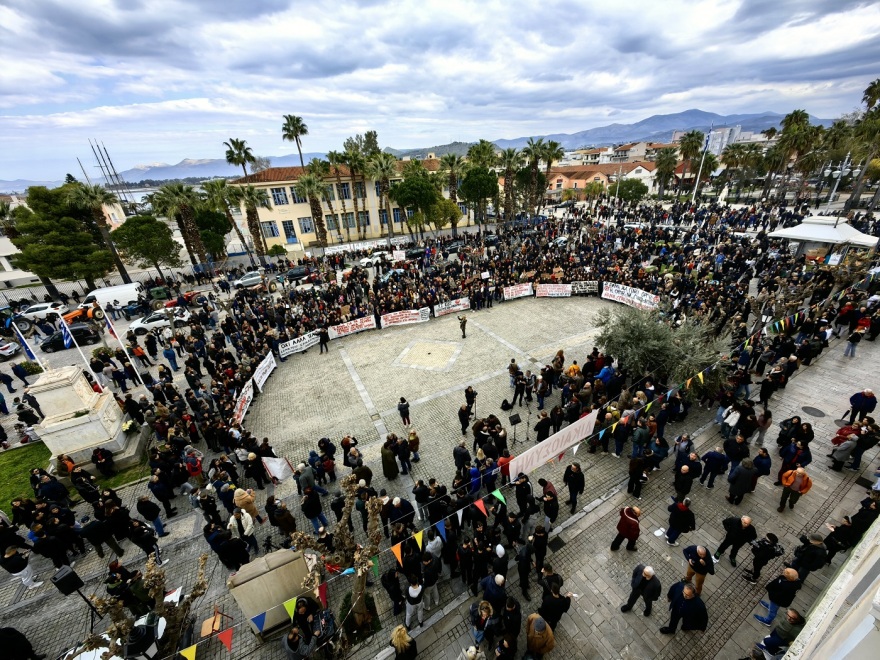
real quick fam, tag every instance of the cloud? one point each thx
(161, 80)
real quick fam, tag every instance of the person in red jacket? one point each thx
(627, 528)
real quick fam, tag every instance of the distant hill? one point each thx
(459, 148)
(209, 167)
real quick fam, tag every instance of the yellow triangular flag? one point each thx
(700, 376)
(290, 606)
(190, 653)
(418, 537)
(648, 407)
(613, 427)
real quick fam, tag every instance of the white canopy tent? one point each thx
(822, 229)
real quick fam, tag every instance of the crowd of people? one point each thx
(694, 258)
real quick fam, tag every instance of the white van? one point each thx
(124, 293)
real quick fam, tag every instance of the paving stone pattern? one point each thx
(354, 390)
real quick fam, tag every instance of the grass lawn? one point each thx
(16, 464)
(15, 471)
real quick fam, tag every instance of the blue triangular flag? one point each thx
(601, 433)
(259, 621)
(441, 527)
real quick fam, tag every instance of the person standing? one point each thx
(16, 563)
(715, 463)
(162, 493)
(851, 342)
(780, 593)
(645, 584)
(462, 324)
(810, 556)
(323, 340)
(741, 481)
(150, 511)
(574, 479)
(16, 646)
(627, 528)
(403, 410)
(524, 562)
(700, 565)
(31, 400)
(794, 484)
(764, 551)
(554, 605)
(681, 521)
(685, 605)
(738, 532)
(539, 636)
(415, 606)
(144, 538)
(404, 646)
(21, 373)
(241, 525)
(861, 404)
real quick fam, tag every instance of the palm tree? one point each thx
(593, 190)
(666, 162)
(221, 197)
(238, 153)
(482, 154)
(178, 202)
(510, 161)
(867, 135)
(355, 161)
(94, 198)
(381, 167)
(321, 169)
(872, 94)
(532, 152)
(453, 165)
(769, 133)
(312, 188)
(553, 151)
(337, 160)
(292, 130)
(253, 198)
(7, 222)
(690, 146)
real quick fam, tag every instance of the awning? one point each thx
(821, 229)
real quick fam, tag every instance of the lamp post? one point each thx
(837, 174)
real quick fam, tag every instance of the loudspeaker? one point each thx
(66, 580)
(515, 419)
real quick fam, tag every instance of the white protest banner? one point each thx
(279, 469)
(243, 402)
(261, 373)
(364, 245)
(484, 275)
(556, 444)
(585, 287)
(351, 327)
(406, 316)
(553, 290)
(630, 296)
(299, 344)
(451, 307)
(517, 291)
(398, 255)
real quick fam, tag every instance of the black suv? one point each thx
(83, 333)
(297, 273)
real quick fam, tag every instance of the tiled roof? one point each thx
(280, 174)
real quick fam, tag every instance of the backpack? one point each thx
(506, 405)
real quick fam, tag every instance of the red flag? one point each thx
(225, 636)
(322, 593)
(482, 507)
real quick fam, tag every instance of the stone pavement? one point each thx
(354, 390)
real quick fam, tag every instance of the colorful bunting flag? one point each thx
(700, 376)
(190, 653)
(498, 496)
(259, 621)
(624, 420)
(290, 607)
(576, 447)
(418, 537)
(396, 550)
(348, 571)
(322, 593)
(689, 383)
(601, 433)
(614, 427)
(225, 636)
(375, 561)
(482, 507)
(668, 394)
(559, 458)
(648, 407)
(441, 528)
(460, 513)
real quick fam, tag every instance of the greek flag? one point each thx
(23, 342)
(65, 333)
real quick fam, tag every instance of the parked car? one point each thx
(297, 273)
(82, 333)
(42, 311)
(415, 254)
(160, 319)
(373, 259)
(8, 349)
(248, 279)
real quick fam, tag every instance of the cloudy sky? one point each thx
(162, 80)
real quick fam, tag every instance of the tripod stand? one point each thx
(93, 612)
(528, 420)
(514, 420)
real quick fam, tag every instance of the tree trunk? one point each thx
(320, 229)
(860, 183)
(874, 200)
(187, 240)
(158, 269)
(254, 229)
(51, 289)
(358, 601)
(90, 283)
(354, 201)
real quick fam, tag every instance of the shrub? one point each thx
(103, 352)
(32, 368)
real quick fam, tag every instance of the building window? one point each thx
(396, 213)
(410, 213)
(349, 220)
(306, 226)
(360, 190)
(364, 218)
(331, 194)
(269, 229)
(463, 208)
(575, 184)
(296, 198)
(378, 189)
(343, 190)
(331, 222)
(394, 182)
(559, 185)
(279, 196)
(289, 231)
(383, 217)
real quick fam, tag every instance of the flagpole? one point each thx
(702, 160)
(27, 348)
(122, 344)
(65, 327)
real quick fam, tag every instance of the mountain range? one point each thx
(657, 128)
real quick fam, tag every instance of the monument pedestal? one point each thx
(78, 419)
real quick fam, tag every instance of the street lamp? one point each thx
(838, 172)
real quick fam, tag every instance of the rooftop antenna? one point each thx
(85, 174)
(101, 167)
(123, 184)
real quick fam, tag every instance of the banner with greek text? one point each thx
(365, 245)
(556, 444)
(398, 255)
(299, 344)
(630, 296)
(553, 291)
(517, 291)
(406, 316)
(451, 307)
(351, 327)
(585, 287)
(243, 402)
(261, 373)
